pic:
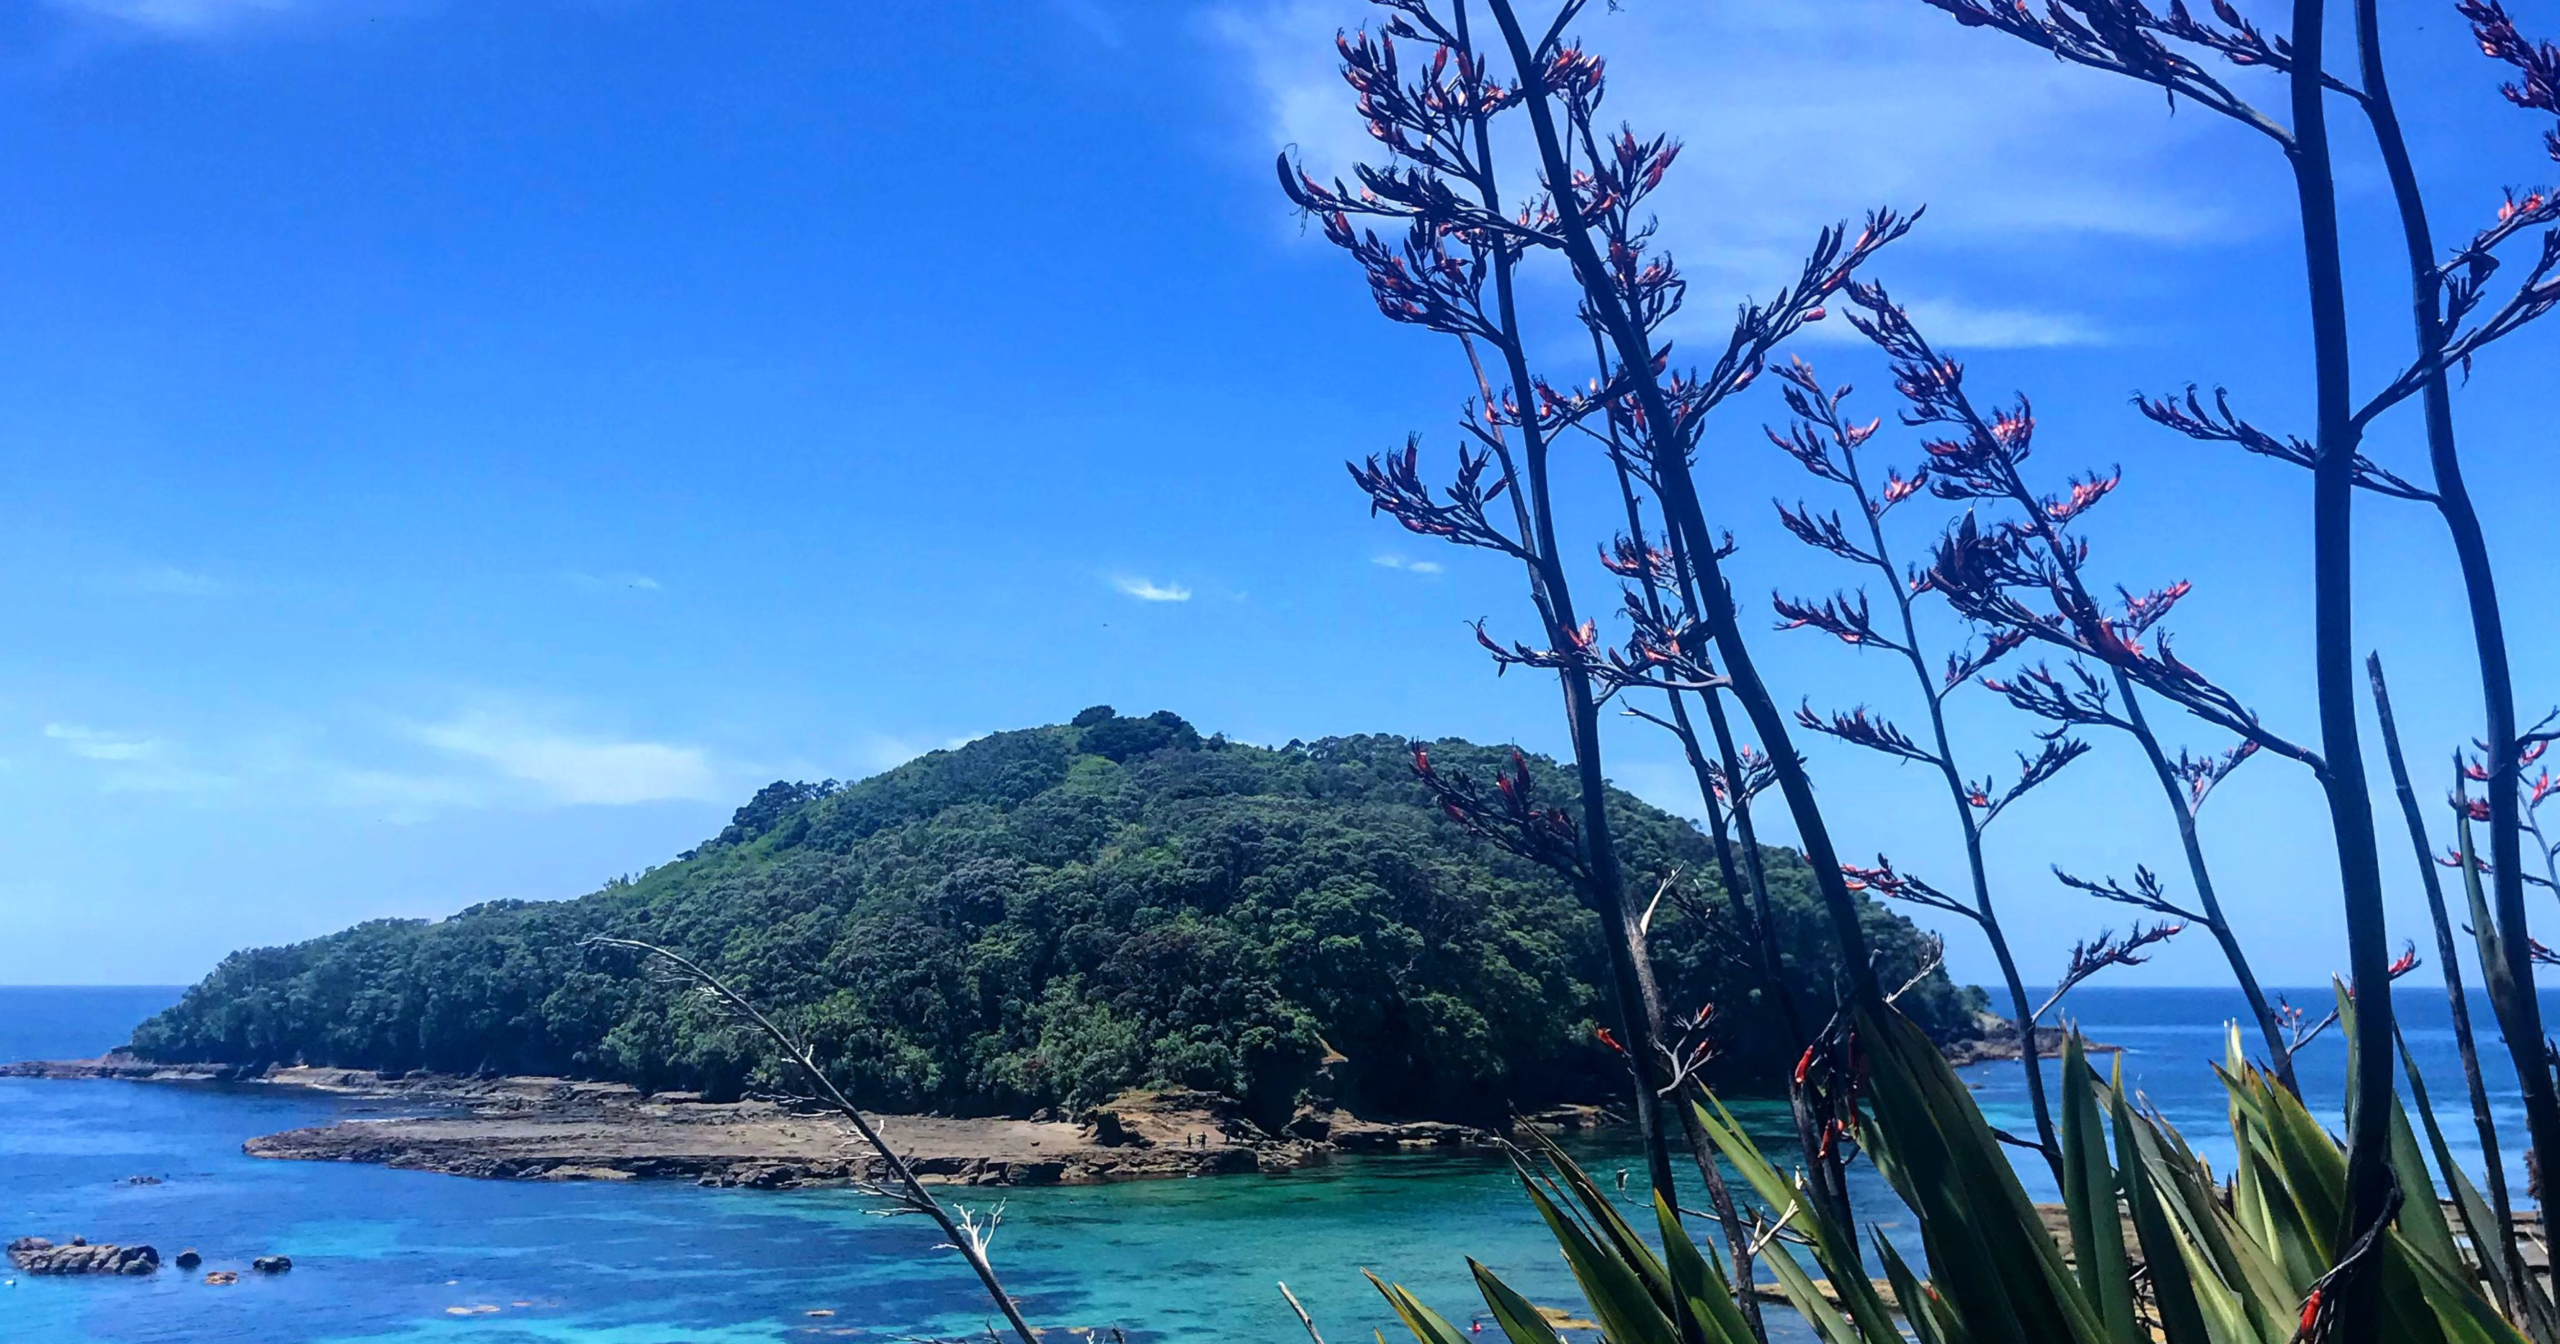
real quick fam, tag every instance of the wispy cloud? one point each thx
(135, 763)
(93, 745)
(1094, 19)
(170, 581)
(1147, 590)
(1391, 560)
(261, 771)
(612, 583)
(181, 17)
(566, 768)
(489, 754)
(1797, 116)
(1961, 326)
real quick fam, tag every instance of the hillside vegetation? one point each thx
(1044, 917)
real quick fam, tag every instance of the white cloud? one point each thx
(1391, 560)
(577, 770)
(177, 16)
(1146, 590)
(1960, 326)
(91, 744)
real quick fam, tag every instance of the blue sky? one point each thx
(458, 451)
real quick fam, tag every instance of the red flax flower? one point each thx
(1885, 880)
(2408, 961)
(2086, 491)
(1509, 814)
(2538, 89)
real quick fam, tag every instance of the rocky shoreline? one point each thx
(525, 1128)
(534, 1128)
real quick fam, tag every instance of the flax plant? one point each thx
(2169, 50)
(2153, 1243)
(1467, 230)
(1455, 272)
(1626, 296)
(2517, 1294)
(1629, 290)
(1728, 783)
(2442, 296)
(2312, 1238)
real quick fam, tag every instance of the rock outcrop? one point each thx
(548, 1129)
(529, 1128)
(1999, 1040)
(36, 1255)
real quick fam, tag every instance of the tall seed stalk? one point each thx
(2520, 1017)
(2509, 1279)
(1827, 445)
(1438, 132)
(904, 1191)
(1541, 66)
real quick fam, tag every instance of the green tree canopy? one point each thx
(1045, 917)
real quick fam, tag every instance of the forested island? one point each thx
(1041, 919)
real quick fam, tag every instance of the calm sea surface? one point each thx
(389, 1255)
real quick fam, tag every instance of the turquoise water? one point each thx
(403, 1256)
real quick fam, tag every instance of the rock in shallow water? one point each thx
(36, 1255)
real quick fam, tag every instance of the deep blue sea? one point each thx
(385, 1255)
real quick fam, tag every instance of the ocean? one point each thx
(383, 1255)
